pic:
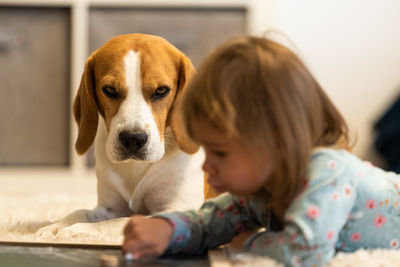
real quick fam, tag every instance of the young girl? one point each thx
(275, 143)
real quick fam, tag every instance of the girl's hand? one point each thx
(239, 240)
(146, 237)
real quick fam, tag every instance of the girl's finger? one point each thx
(128, 228)
(133, 246)
(149, 252)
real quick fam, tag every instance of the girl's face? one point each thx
(231, 167)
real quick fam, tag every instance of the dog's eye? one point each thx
(160, 92)
(110, 91)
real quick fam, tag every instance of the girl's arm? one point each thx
(214, 224)
(313, 221)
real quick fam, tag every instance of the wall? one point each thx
(352, 47)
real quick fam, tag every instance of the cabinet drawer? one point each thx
(34, 87)
(195, 31)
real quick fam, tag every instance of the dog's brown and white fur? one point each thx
(125, 104)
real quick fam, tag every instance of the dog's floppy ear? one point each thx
(183, 140)
(85, 109)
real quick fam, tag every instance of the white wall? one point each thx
(351, 46)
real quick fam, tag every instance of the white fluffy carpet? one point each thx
(28, 204)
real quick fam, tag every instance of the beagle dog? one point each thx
(125, 104)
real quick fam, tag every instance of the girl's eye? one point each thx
(110, 91)
(220, 153)
(160, 92)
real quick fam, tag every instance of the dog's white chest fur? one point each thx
(171, 183)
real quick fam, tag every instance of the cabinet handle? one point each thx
(9, 39)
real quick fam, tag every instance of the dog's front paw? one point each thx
(50, 231)
(78, 231)
(110, 231)
(53, 230)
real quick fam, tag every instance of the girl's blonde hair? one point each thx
(259, 91)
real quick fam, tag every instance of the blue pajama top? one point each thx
(345, 204)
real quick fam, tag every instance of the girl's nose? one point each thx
(207, 167)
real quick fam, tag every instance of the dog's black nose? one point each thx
(133, 141)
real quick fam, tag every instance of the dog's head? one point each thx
(134, 82)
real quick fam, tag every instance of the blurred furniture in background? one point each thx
(34, 87)
(43, 49)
